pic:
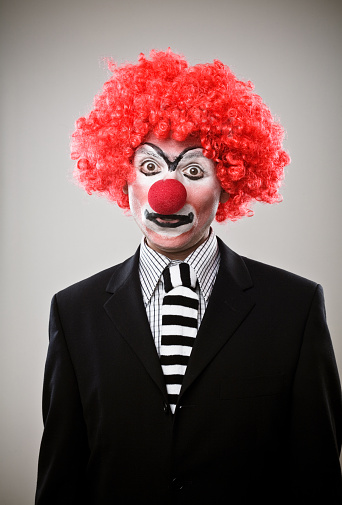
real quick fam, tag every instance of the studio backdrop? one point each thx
(53, 234)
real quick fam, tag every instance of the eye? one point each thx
(149, 167)
(193, 172)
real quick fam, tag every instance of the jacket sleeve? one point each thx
(64, 448)
(316, 422)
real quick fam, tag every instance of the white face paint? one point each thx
(175, 235)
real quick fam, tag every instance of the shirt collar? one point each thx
(151, 266)
(205, 260)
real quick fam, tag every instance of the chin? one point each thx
(167, 243)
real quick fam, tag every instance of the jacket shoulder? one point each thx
(261, 273)
(277, 280)
(92, 286)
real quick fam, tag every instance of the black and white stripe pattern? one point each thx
(205, 260)
(179, 326)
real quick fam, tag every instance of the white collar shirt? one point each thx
(205, 260)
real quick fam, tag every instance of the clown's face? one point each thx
(176, 213)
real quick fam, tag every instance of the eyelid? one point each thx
(148, 157)
(148, 160)
(193, 160)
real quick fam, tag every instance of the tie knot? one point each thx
(181, 274)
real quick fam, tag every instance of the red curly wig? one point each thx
(166, 96)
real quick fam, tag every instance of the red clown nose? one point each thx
(167, 197)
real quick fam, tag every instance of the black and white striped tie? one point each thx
(179, 326)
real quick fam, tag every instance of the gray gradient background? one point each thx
(53, 234)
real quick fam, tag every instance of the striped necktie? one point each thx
(179, 326)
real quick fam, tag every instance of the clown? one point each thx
(187, 374)
(175, 195)
(205, 105)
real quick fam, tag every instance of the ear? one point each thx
(125, 189)
(224, 196)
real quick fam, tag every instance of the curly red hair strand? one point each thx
(166, 96)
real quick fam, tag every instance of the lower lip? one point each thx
(167, 221)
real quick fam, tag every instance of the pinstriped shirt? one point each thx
(205, 260)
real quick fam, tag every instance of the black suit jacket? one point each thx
(259, 414)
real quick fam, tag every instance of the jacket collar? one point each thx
(126, 309)
(230, 303)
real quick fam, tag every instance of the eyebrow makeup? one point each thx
(172, 165)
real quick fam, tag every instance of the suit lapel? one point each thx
(230, 303)
(126, 309)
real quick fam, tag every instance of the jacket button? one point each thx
(166, 408)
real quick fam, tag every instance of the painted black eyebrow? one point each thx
(172, 165)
